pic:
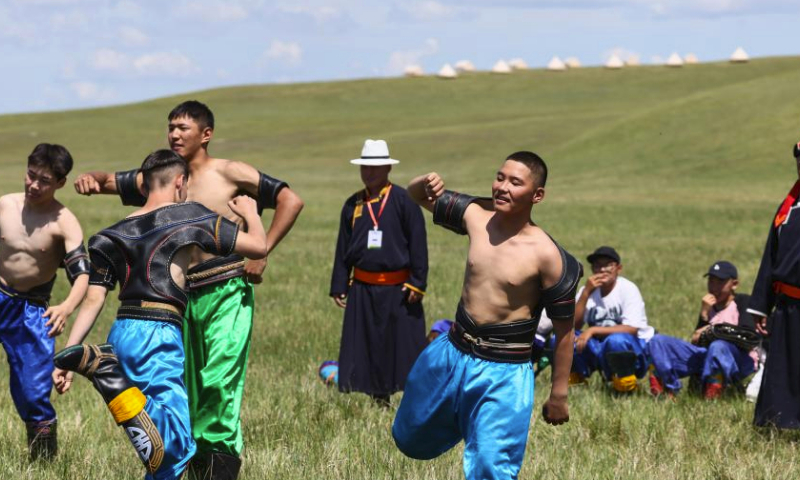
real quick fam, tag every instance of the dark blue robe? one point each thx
(382, 333)
(779, 397)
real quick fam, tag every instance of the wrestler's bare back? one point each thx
(504, 274)
(32, 241)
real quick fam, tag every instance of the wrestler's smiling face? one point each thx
(514, 188)
(186, 137)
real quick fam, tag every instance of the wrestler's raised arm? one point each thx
(98, 182)
(253, 242)
(425, 189)
(269, 193)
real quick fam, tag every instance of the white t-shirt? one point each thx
(622, 306)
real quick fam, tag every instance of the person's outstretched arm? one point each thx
(425, 189)
(96, 182)
(87, 315)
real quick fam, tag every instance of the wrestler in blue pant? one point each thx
(30, 357)
(674, 358)
(593, 356)
(151, 355)
(451, 396)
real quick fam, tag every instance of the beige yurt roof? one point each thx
(413, 71)
(633, 60)
(614, 62)
(465, 66)
(501, 67)
(447, 72)
(739, 56)
(674, 60)
(572, 62)
(556, 65)
(518, 64)
(690, 59)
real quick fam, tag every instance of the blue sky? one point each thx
(64, 54)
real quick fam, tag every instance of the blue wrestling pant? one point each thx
(451, 395)
(674, 358)
(151, 355)
(593, 356)
(30, 356)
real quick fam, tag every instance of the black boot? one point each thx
(214, 466)
(42, 440)
(126, 402)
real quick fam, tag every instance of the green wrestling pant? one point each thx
(216, 334)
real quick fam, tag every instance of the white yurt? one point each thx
(447, 72)
(633, 60)
(556, 65)
(674, 60)
(739, 56)
(572, 62)
(517, 64)
(465, 66)
(690, 59)
(413, 71)
(614, 62)
(501, 67)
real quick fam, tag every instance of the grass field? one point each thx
(676, 168)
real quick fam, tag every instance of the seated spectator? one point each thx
(719, 364)
(612, 310)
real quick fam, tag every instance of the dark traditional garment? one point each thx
(382, 334)
(776, 293)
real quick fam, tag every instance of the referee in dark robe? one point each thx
(776, 295)
(379, 277)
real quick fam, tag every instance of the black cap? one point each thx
(797, 150)
(722, 270)
(604, 251)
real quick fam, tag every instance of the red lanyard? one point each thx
(380, 212)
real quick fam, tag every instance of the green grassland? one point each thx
(674, 167)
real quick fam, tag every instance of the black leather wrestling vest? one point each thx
(137, 253)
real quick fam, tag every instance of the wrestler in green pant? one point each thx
(219, 321)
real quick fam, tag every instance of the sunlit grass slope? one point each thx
(676, 168)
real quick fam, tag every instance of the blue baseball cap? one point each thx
(722, 270)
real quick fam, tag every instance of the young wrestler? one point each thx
(476, 383)
(720, 362)
(37, 235)
(139, 372)
(219, 316)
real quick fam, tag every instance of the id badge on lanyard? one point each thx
(375, 236)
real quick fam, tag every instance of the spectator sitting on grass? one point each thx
(721, 362)
(617, 331)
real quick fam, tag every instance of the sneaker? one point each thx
(713, 390)
(624, 384)
(576, 378)
(656, 386)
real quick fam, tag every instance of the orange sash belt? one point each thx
(786, 289)
(381, 278)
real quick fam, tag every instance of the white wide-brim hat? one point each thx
(374, 153)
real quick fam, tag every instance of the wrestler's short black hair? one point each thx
(54, 157)
(161, 166)
(535, 163)
(197, 111)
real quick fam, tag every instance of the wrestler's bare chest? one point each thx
(214, 191)
(30, 243)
